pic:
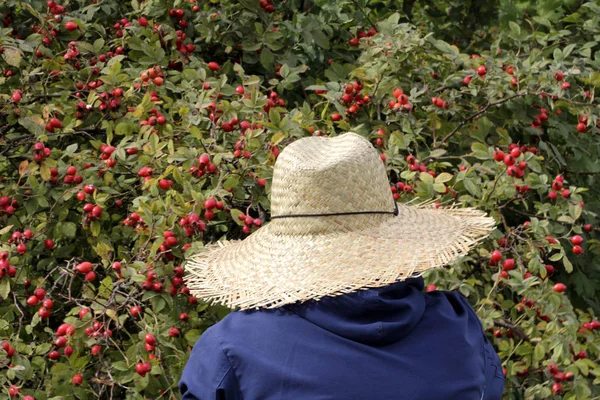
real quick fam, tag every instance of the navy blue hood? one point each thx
(377, 344)
(375, 317)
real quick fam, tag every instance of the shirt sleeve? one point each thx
(208, 374)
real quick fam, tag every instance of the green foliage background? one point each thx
(303, 52)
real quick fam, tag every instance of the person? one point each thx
(329, 294)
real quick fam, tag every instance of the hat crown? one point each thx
(324, 175)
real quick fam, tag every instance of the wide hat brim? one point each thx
(276, 265)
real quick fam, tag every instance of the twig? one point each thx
(515, 329)
(362, 10)
(477, 114)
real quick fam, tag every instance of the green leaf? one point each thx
(231, 182)
(472, 188)
(539, 352)
(124, 128)
(68, 229)
(439, 187)
(425, 177)
(12, 56)
(235, 215)
(4, 287)
(443, 177)
(320, 39)
(267, 59)
(515, 29)
(480, 151)
(95, 228)
(568, 265)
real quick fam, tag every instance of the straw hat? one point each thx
(335, 228)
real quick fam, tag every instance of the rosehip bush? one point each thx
(132, 133)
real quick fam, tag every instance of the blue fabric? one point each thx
(395, 342)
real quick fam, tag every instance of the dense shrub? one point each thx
(133, 132)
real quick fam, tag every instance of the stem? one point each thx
(477, 114)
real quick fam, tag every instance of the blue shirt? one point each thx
(395, 342)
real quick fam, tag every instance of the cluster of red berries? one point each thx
(106, 152)
(62, 332)
(582, 125)
(557, 185)
(577, 241)
(92, 212)
(14, 390)
(5, 267)
(178, 14)
(156, 119)
(558, 377)
(267, 5)
(413, 165)
(510, 159)
(400, 102)
(210, 204)
(91, 85)
(540, 118)
(72, 53)
(54, 124)
(165, 184)
(183, 48)
(355, 41)
(239, 146)
(86, 268)
(72, 177)
(169, 241)
(8, 206)
(151, 282)
(229, 126)
(400, 187)
(83, 109)
(249, 223)
(192, 224)
(590, 326)
(109, 101)
(204, 166)
(273, 100)
(155, 74)
(438, 102)
(559, 76)
(20, 238)
(120, 25)
(134, 220)
(40, 152)
(146, 173)
(8, 349)
(143, 368)
(95, 331)
(177, 280)
(39, 294)
(353, 98)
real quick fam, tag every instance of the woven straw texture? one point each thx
(294, 259)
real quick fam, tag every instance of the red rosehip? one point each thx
(71, 26)
(77, 380)
(576, 240)
(150, 339)
(496, 256)
(509, 264)
(560, 287)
